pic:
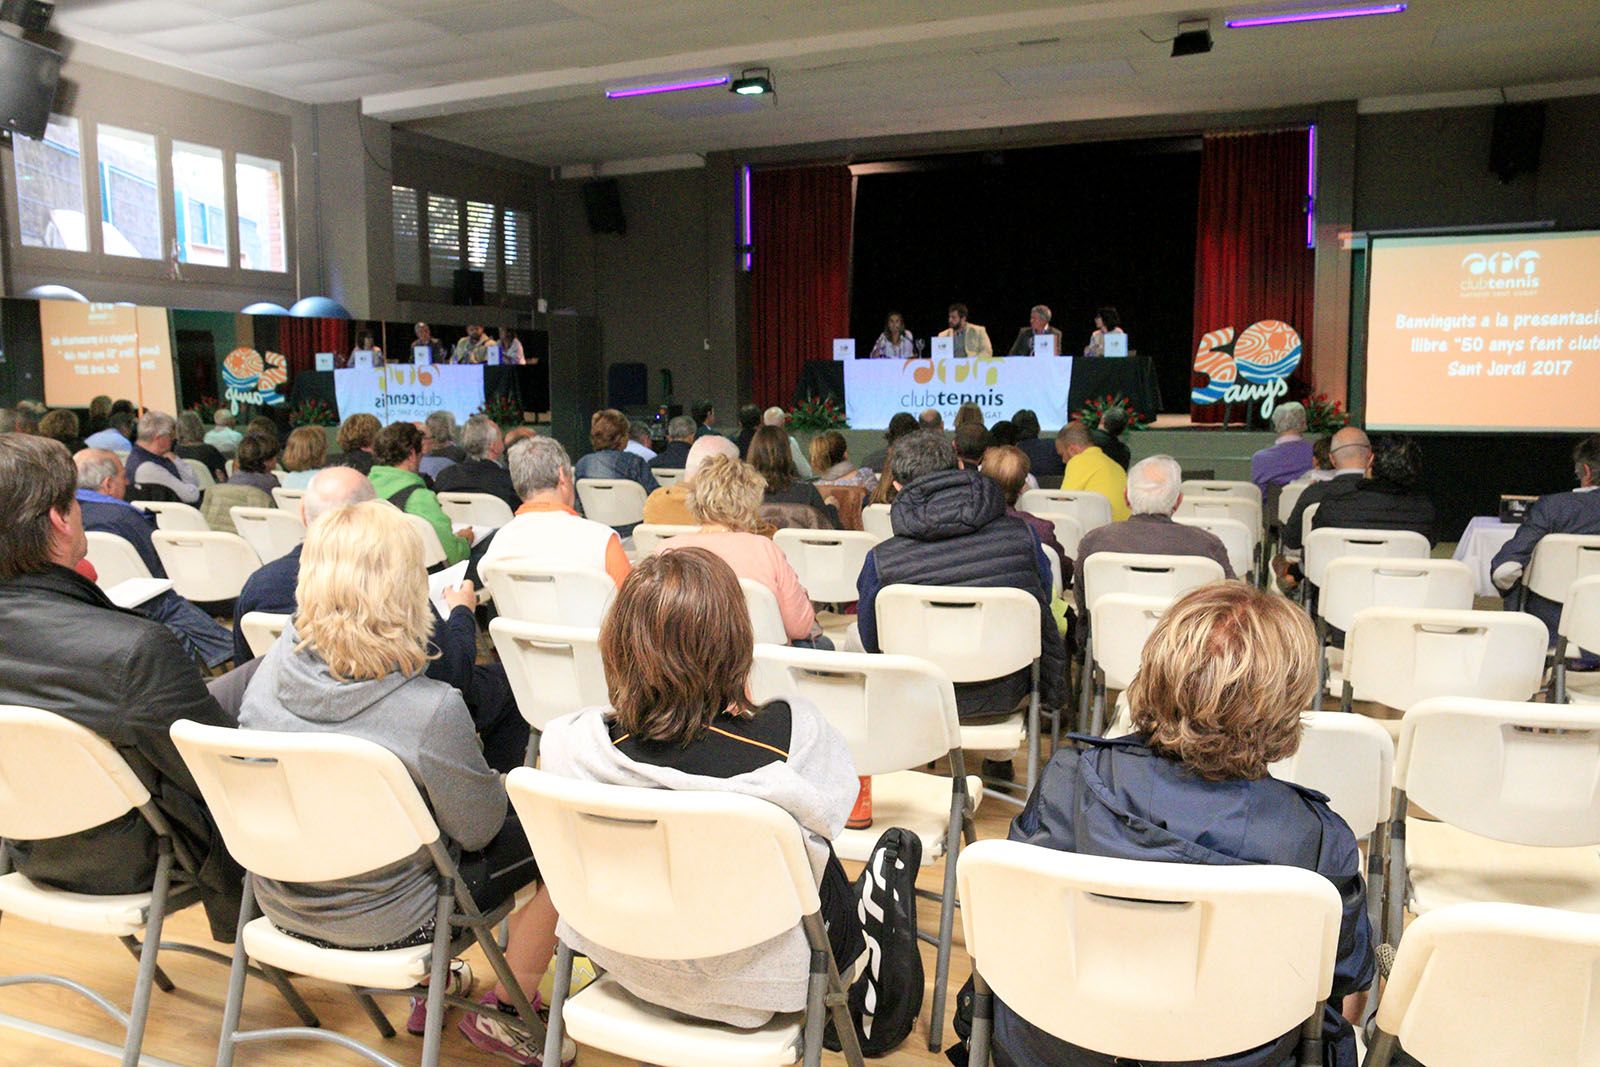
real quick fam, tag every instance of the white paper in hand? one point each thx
(438, 582)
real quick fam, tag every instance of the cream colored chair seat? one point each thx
(912, 800)
(117, 916)
(399, 968)
(632, 1029)
(1449, 865)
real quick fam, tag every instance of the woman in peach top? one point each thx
(725, 496)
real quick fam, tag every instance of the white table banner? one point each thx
(402, 392)
(875, 389)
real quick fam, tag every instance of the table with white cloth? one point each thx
(1484, 536)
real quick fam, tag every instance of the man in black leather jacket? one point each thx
(69, 650)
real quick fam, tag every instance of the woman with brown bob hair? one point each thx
(677, 649)
(304, 454)
(1217, 700)
(356, 436)
(770, 455)
(608, 435)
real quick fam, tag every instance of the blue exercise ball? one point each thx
(265, 307)
(318, 307)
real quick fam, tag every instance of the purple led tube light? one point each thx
(666, 87)
(1315, 16)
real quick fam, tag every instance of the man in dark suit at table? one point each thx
(1038, 325)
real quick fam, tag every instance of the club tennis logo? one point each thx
(1254, 365)
(1492, 271)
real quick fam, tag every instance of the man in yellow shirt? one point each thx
(1091, 469)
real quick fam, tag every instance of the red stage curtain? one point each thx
(301, 339)
(1251, 259)
(800, 272)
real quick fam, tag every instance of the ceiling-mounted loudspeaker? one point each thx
(1517, 139)
(1194, 39)
(602, 202)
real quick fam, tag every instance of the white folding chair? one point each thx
(1526, 973)
(1198, 489)
(1579, 628)
(1123, 622)
(1147, 961)
(227, 466)
(647, 536)
(205, 566)
(171, 515)
(320, 807)
(1558, 561)
(1069, 531)
(532, 592)
(433, 552)
(1089, 508)
(766, 618)
(612, 501)
(1239, 539)
(262, 630)
(272, 532)
(1401, 656)
(645, 873)
(827, 562)
(58, 778)
(1515, 790)
(667, 476)
(114, 559)
(1354, 583)
(202, 473)
(1289, 497)
(897, 713)
(1330, 543)
(875, 521)
(553, 671)
(477, 510)
(288, 499)
(973, 635)
(1242, 509)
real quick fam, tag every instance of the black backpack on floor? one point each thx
(887, 998)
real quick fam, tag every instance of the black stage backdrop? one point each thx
(1073, 227)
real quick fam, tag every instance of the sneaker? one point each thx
(494, 1029)
(459, 985)
(999, 770)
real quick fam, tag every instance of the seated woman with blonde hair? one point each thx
(830, 458)
(1217, 700)
(678, 650)
(725, 498)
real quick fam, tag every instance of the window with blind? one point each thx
(444, 240)
(482, 251)
(517, 256)
(200, 204)
(407, 237)
(50, 187)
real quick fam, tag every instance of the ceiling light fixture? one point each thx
(753, 81)
(666, 87)
(1321, 15)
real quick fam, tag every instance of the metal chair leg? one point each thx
(1311, 1040)
(947, 915)
(558, 1001)
(136, 950)
(380, 1022)
(982, 1021)
(236, 976)
(439, 976)
(816, 1011)
(1033, 728)
(147, 956)
(1381, 1052)
(1322, 662)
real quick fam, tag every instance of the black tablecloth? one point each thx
(1133, 377)
(497, 381)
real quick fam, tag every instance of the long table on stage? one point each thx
(513, 382)
(1134, 377)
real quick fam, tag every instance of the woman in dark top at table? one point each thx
(770, 455)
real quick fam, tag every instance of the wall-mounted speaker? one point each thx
(602, 202)
(1517, 139)
(467, 290)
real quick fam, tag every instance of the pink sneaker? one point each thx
(459, 985)
(498, 1032)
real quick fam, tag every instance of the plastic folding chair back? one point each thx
(272, 532)
(262, 630)
(1243, 509)
(478, 510)
(1527, 973)
(114, 559)
(533, 592)
(202, 473)
(1350, 759)
(1353, 583)
(1331, 543)
(828, 562)
(173, 515)
(667, 476)
(205, 566)
(612, 501)
(1561, 559)
(1289, 496)
(766, 618)
(973, 634)
(1580, 627)
(1123, 623)
(875, 521)
(1145, 574)
(1149, 961)
(1215, 488)
(1401, 656)
(1089, 508)
(1237, 537)
(432, 548)
(647, 536)
(288, 499)
(1069, 531)
(553, 670)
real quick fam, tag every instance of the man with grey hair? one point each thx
(639, 440)
(1289, 456)
(547, 527)
(439, 449)
(153, 460)
(481, 471)
(1155, 489)
(669, 505)
(674, 455)
(776, 416)
(1038, 326)
(224, 438)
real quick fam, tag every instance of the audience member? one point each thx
(396, 453)
(1088, 468)
(253, 462)
(23, 419)
(674, 455)
(705, 413)
(304, 454)
(725, 499)
(1108, 435)
(608, 434)
(1321, 459)
(439, 448)
(1043, 459)
(1289, 456)
(639, 440)
(971, 442)
(677, 649)
(8, 421)
(968, 414)
(192, 445)
(356, 436)
(1154, 493)
(99, 414)
(749, 423)
(224, 438)
(70, 651)
(266, 426)
(900, 424)
(61, 425)
(830, 459)
(669, 505)
(152, 462)
(481, 471)
(951, 528)
(1003, 432)
(101, 488)
(1191, 785)
(1351, 454)
(776, 416)
(772, 455)
(351, 662)
(116, 436)
(1007, 465)
(1387, 499)
(547, 527)
(930, 419)
(515, 437)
